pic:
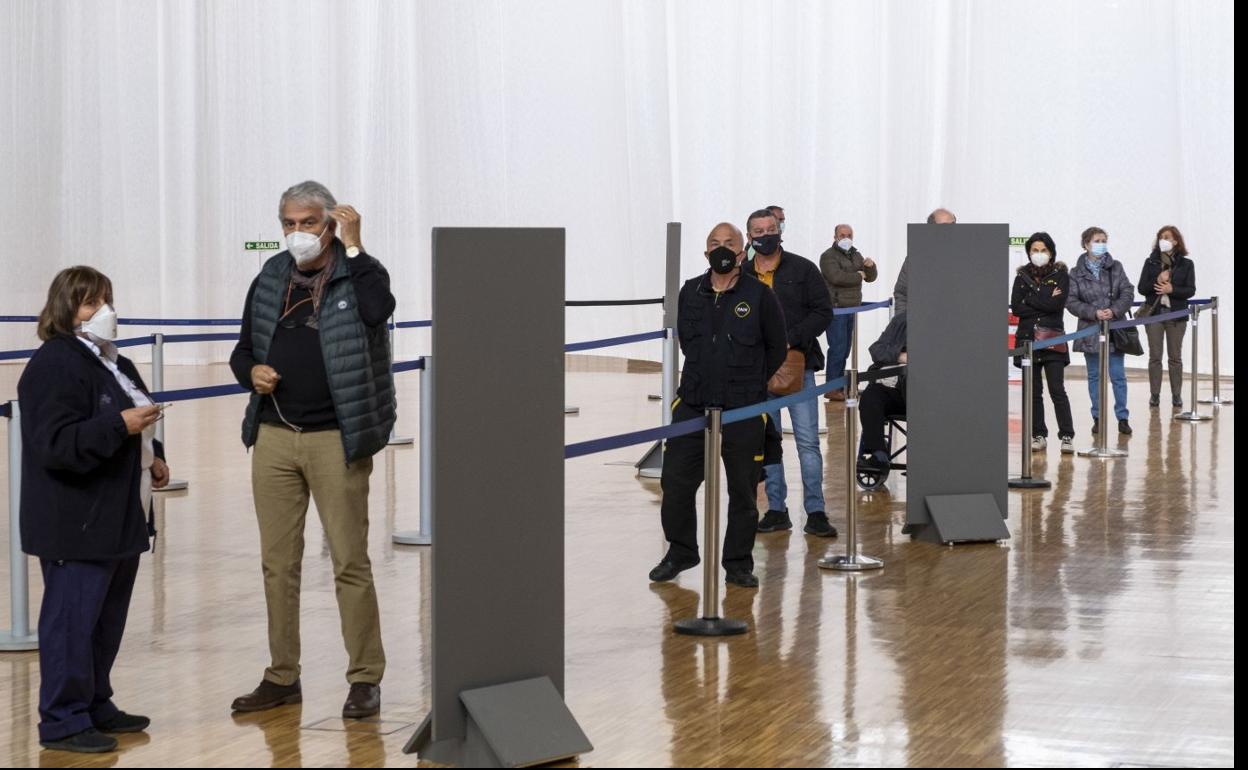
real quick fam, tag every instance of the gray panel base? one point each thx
(963, 519)
(650, 466)
(518, 724)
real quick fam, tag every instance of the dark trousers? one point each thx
(875, 405)
(1054, 371)
(683, 457)
(80, 627)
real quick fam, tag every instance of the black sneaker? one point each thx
(1154, 400)
(774, 521)
(667, 570)
(124, 723)
(1177, 402)
(89, 741)
(817, 524)
(743, 578)
(1096, 426)
(1124, 427)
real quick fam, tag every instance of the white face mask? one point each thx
(305, 247)
(1040, 258)
(1165, 245)
(102, 324)
(782, 225)
(845, 244)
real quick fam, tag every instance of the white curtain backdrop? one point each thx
(152, 138)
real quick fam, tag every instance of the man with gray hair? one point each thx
(315, 352)
(901, 289)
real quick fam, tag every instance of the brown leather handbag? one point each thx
(789, 377)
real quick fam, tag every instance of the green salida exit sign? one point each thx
(262, 245)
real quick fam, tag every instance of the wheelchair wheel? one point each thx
(869, 478)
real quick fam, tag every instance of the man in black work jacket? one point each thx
(732, 335)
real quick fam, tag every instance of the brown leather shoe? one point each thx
(835, 395)
(268, 695)
(364, 700)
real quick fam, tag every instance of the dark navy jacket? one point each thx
(80, 468)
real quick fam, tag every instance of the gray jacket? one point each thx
(840, 273)
(901, 289)
(1089, 294)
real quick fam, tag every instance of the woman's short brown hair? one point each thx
(71, 287)
(1091, 231)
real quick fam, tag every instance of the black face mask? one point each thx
(723, 260)
(766, 244)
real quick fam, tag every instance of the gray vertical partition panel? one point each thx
(498, 511)
(957, 392)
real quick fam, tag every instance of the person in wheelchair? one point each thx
(883, 398)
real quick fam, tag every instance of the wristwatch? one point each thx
(353, 252)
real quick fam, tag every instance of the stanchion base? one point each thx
(1193, 417)
(11, 643)
(710, 626)
(174, 485)
(843, 563)
(1104, 454)
(654, 397)
(411, 537)
(1217, 401)
(400, 441)
(1032, 483)
(571, 410)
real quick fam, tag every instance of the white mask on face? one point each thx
(1040, 258)
(1165, 245)
(782, 225)
(305, 247)
(845, 244)
(102, 324)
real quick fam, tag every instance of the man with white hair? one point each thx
(315, 352)
(901, 289)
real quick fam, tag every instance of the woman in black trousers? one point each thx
(89, 463)
(1038, 299)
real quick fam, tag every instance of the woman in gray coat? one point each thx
(1100, 290)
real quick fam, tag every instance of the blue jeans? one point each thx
(1117, 379)
(805, 416)
(840, 338)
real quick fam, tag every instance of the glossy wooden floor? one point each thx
(1101, 634)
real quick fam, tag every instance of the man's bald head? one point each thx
(725, 234)
(941, 217)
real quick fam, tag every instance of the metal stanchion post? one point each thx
(852, 561)
(654, 468)
(711, 624)
(424, 535)
(19, 636)
(1102, 449)
(1025, 480)
(395, 439)
(1195, 415)
(853, 345)
(1217, 399)
(158, 385)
